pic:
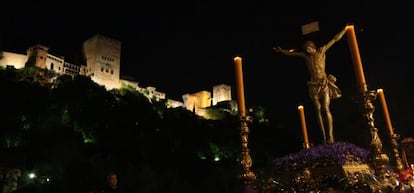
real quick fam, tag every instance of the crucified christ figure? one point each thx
(322, 87)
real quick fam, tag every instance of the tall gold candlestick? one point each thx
(385, 110)
(394, 137)
(303, 124)
(246, 161)
(380, 159)
(240, 86)
(356, 59)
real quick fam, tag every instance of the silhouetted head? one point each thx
(112, 180)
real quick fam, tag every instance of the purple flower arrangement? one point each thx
(338, 153)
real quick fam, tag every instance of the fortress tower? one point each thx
(103, 60)
(221, 92)
(37, 56)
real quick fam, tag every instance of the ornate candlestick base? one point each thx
(380, 160)
(394, 143)
(248, 176)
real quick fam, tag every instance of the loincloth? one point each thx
(320, 87)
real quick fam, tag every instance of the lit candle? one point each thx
(303, 124)
(385, 110)
(240, 86)
(356, 59)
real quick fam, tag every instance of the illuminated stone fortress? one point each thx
(103, 60)
(103, 63)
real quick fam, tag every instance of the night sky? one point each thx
(186, 47)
